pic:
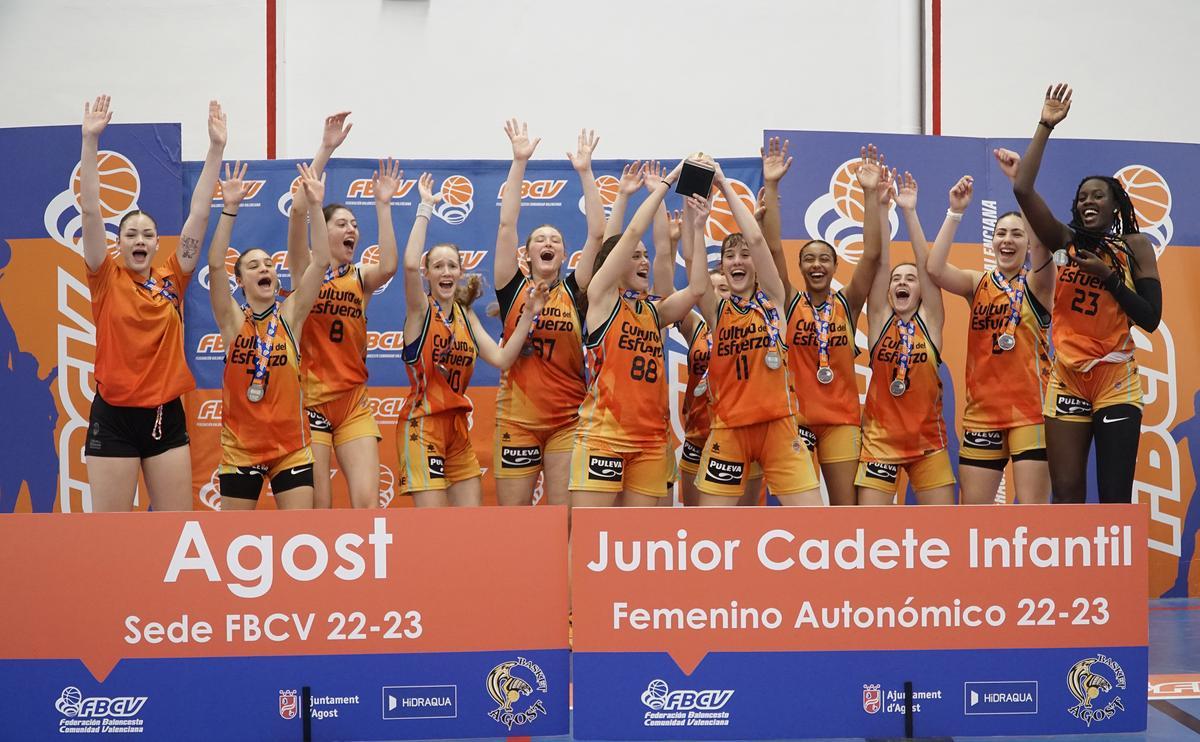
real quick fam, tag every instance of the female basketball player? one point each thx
(621, 439)
(333, 349)
(1107, 279)
(443, 337)
(902, 420)
(1008, 358)
(748, 381)
(264, 428)
(820, 327)
(137, 419)
(537, 404)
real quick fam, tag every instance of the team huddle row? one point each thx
(583, 397)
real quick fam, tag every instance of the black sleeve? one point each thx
(508, 293)
(1144, 306)
(578, 298)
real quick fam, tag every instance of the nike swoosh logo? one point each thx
(1114, 420)
(301, 470)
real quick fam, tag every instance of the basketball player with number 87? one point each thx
(264, 427)
(137, 418)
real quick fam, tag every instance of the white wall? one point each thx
(437, 78)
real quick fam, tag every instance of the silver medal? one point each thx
(773, 360)
(1061, 257)
(701, 388)
(897, 387)
(1006, 342)
(256, 391)
(527, 349)
(825, 374)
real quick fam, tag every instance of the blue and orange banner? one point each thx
(403, 625)
(765, 623)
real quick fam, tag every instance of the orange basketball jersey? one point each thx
(257, 432)
(695, 410)
(1089, 325)
(139, 334)
(333, 345)
(626, 402)
(544, 388)
(905, 427)
(440, 363)
(1005, 388)
(835, 403)
(744, 390)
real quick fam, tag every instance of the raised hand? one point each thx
(538, 293)
(1009, 161)
(523, 263)
(697, 209)
(775, 160)
(336, 129)
(871, 168)
(675, 222)
(631, 178)
(1089, 262)
(906, 193)
(518, 134)
(582, 159)
(652, 174)
(233, 185)
(313, 186)
(96, 116)
(1057, 104)
(386, 180)
(886, 190)
(425, 189)
(217, 132)
(960, 193)
(760, 205)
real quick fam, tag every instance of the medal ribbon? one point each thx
(822, 316)
(449, 323)
(907, 331)
(639, 295)
(262, 347)
(1015, 292)
(331, 274)
(763, 306)
(167, 290)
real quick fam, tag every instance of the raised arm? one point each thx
(196, 224)
(386, 181)
(304, 293)
(605, 279)
(1052, 233)
(335, 132)
(764, 265)
(95, 241)
(942, 272)
(225, 309)
(876, 181)
(593, 205)
(664, 260)
(931, 295)
(775, 165)
(877, 239)
(631, 181)
(503, 356)
(415, 301)
(505, 266)
(1042, 270)
(678, 306)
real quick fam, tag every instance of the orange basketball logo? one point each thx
(285, 201)
(457, 190)
(721, 223)
(1149, 192)
(847, 193)
(119, 184)
(387, 484)
(370, 256)
(609, 186)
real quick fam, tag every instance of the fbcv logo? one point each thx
(659, 696)
(72, 704)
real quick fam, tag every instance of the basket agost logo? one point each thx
(513, 685)
(458, 199)
(1096, 682)
(837, 215)
(1151, 198)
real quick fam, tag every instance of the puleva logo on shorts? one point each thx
(872, 698)
(512, 686)
(1094, 682)
(537, 192)
(289, 704)
(723, 472)
(606, 468)
(988, 440)
(1068, 404)
(837, 215)
(458, 199)
(98, 714)
(691, 707)
(809, 438)
(691, 453)
(608, 187)
(120, 186)
(881, 471)
(520, 457)
(1151, 198)
(437, 467)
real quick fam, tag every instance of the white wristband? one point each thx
(424, 210)
(954, 215)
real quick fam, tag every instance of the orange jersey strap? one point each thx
(440, 363)
(833, 397)
(334, 342)
(545, 386)
(253, 432)
(1089, 324)
(746, 386)
(626, 402)
(139, 334)
(900, 427)
(1005, 387)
